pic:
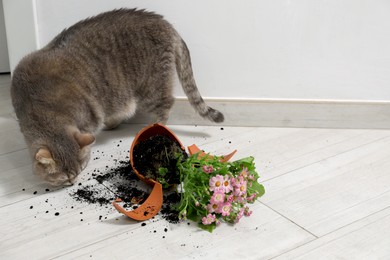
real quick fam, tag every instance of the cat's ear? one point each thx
(84, 139)
(44, 156)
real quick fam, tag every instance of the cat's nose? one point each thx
(63, 180)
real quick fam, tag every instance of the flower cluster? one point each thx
(229, 196)
(213, 191)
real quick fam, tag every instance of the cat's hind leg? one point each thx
(114, 120)
(112, 123)
(162, 108)
(160, 100)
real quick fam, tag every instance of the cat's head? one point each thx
(60, 162)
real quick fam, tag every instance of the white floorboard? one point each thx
(327, 197)
(335, 191)
(349, 242)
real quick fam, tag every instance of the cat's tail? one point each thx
(186, 77)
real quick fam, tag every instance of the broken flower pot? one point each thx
(152, 205)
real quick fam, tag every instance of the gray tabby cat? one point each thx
(96, 74)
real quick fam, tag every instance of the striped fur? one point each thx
(98, 73)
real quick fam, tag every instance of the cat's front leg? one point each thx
(111, 124)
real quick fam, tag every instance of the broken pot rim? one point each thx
(145, 133)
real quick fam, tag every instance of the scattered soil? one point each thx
(168, 210)
(121, 182)
(156, 152)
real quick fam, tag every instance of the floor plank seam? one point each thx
(355, 205)
(19, 150)
(323, 159)
(330, 233)
(97, 242)
(357, 220)
(15, 202)
(316, 150)
(290, 220)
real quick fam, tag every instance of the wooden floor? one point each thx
(327, 197)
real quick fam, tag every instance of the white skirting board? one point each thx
(285, 113)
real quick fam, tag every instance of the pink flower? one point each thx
(239, 186)
(244, 172)
(247, 212)
(212, 207)
(225, 209)
(210, 218)
(227, 185)
(216, 183)
(234, 198)
(217, 198)
(252, 197)
(239, 215)
(208, 168)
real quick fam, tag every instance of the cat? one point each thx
(96, 74)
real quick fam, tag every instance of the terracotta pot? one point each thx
(153, 203)
(146, 133)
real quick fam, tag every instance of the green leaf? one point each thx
(162, 171)
(247, 160)
(208, 228)
(192, 214)
(195, 184)
(259, 188)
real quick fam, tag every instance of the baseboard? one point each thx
(286, 113)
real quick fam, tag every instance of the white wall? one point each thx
(21, 28)
(278, 49)
(4, 61)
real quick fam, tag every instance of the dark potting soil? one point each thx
(168, 210)
(156, 152)
(121, 182)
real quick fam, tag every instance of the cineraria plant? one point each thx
(214, 191)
